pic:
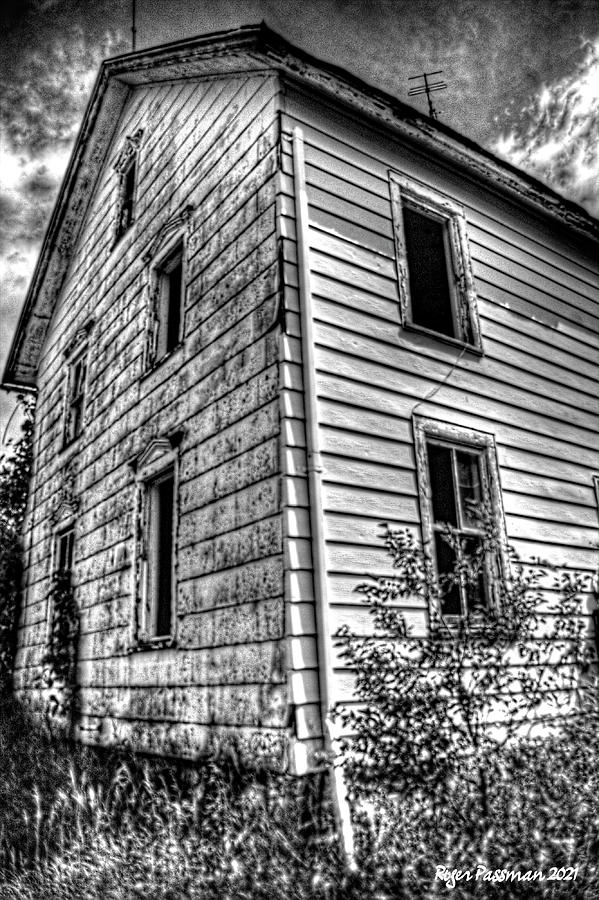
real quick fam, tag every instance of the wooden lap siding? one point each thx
(211, 144)
(537, 302)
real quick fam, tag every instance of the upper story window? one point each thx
(459, 486)
(165, 279)
(169, 276)
(76, 397)
(436, 287)
(126, 166)
(76, 385)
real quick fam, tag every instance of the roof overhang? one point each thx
(251, 48)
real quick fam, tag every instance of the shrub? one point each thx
(14, 483)
(445, 746)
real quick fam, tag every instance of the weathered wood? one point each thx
(262, 620)
(221, 387)
(231, 399)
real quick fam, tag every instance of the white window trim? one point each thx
(160, 456)
(63, 521)
(77, 349)
(436, 205)
(174, 232)
(426, 429)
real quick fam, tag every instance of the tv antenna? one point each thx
(427, 88)
(133, 28)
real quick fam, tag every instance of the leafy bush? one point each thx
(14, 483)
(59, 666)
(446, 748)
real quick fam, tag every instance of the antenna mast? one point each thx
(133, 28)
(427, 88)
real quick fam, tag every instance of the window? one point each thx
(457, 477)
(165, 271)
(126, 197)
(159, 554)
(170, 301)
(126, 168)
(76, 386)
(59, 617)
(64, 551)
(436, 287)
(156, 477)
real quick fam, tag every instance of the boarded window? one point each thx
(160, 553)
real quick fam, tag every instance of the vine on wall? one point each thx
(60, 661)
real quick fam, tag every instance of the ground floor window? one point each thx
(461, 508)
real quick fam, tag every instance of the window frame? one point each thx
(173, 234)
(64, 524)
(77, 352)
(162, 268)
(127, 160)
(434, 205)
(153, 467)
(432, 431)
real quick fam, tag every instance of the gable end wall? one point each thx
(212, 145)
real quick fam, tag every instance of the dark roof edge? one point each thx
(430, 129)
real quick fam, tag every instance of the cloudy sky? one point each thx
(523, 80)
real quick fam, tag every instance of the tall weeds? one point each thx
(75, 826)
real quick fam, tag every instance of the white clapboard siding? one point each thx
(535, 388)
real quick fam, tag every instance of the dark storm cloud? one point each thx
(496, 55)
(45, 96)
(24, 217)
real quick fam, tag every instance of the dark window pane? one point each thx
(65, 551)
(173, 286)
(76, 387)
(127, 193)
(442, 487)
(427, 269)
(164, 518)
(469, 488)
(450, 591)
(476, 582)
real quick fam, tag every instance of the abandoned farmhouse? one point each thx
(275, 309)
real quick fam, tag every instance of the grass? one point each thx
(75, 825)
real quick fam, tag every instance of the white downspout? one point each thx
(314, 469)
